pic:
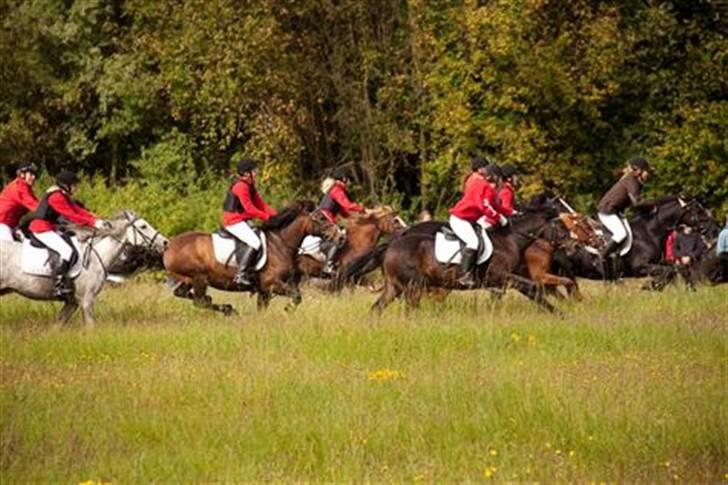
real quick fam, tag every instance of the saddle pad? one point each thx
(311, 246)
(34, 261)
(448, 250)
(624, 248)
(224, 248)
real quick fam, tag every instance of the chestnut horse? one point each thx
(362, 234)
(564, 233)
(190, 259)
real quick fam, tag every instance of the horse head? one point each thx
(694, 214)
(385, 219)
(140, 233)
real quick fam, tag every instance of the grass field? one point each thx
(628, 387)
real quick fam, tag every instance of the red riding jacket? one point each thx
(243, 203)
(16, 200)
(337, 201)
(505, 199)
(57, 203)
(478, 200)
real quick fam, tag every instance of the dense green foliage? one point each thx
(629, 387)
(168, 92)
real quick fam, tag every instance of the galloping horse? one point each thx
(99, 249)
(409, 263)
(567, 233)
(362, 234)
(650, 228)
(190, 259)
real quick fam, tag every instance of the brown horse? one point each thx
(362, 234)
(190, 259)
(565, 232)
(410, 268)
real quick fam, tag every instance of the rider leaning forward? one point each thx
(506, 191)
(334, 203)
(625, 193)
(478, 201)
(17, 199)
(57, 203)
(242, 204)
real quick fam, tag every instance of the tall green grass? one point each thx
(629, 386)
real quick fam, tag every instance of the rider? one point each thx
(478, 201)
(336, 202)
(16, 199)
(243, 203)
(57, 203)
(506, 191)
(625, 193)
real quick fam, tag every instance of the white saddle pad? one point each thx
(34, 261)
(311, 246)
(224, 248)
(624, 248)
(449, 250)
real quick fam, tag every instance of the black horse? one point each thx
(409, 265)
(650, 227)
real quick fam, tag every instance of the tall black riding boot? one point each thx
(329, 265)
(608, 249)
(244, 256)
(62, 285)
(467, 262)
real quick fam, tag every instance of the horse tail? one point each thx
(360, 267)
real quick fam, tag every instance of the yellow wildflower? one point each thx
(489, 471)
(384, 375)
(493, 452)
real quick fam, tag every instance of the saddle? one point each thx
(225, 246)
(603, 232)
(449, 247)
(66, 236)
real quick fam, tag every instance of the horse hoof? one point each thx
(228, 310)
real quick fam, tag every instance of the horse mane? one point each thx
(665, 199)
(85, 232)
(288, 215)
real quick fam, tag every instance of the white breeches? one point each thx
(56, 243)
(465, 232)
(6, 233)
(616, 225)
(243, 231)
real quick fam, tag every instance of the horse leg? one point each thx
(553, 282)
(87, 307)
(412, 297)
(263, 300)
(67, 311)
(388, 295)
(183, 290)
(530, 290)
(294, 292)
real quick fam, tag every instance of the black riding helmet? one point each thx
(246, 165)
(640, 163)
(29, 167)
(66, 178)
(508, 171)
(340, 174)
(477, 163)
(493, 171)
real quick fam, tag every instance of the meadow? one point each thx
(626, 387)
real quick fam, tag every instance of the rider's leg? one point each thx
(246, 252)
(619, 233)
(59, 265)
(465, 231)
(329, 248)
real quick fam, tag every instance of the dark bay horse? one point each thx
(362, 234)
(190, 259)
(650, 228)
(409, 264)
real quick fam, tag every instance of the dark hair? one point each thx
(246, 165)
(287, 215)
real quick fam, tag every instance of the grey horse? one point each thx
(100, 250)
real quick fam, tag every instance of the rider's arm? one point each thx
(339, 195)
(487, 203)
(633, 192)
(26, 197)
(265, 207)
(71, 211)
(242, 192)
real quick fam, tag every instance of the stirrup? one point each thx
(242, 278)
